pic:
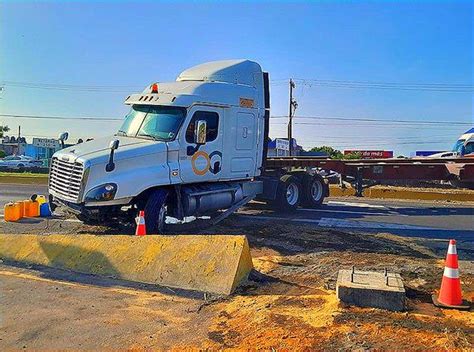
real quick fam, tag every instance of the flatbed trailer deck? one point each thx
(375, 170)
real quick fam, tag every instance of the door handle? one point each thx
(245, 132)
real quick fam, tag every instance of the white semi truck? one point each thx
(191, 147)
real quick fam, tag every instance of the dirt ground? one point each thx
(289, 303)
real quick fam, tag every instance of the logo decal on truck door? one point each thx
(212, 162)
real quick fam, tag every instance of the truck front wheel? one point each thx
(288, 194)
(314, 191)
(155, 212)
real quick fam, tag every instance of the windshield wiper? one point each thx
(121, 133)
(150, 136)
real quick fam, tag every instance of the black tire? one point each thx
(155, 212)
(21, 168)
(314, 191)
(283, 201)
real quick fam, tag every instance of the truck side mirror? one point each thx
(200, 132)
(62, 137)
(113, 146)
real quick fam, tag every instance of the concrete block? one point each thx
(213, 263)
(371, 289)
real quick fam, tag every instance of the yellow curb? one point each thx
(405, 193)
(215, 264)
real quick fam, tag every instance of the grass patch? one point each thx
(22, 174)
(23, 178)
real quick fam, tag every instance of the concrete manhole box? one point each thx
(383, 290)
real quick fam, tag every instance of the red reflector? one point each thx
(154, 88)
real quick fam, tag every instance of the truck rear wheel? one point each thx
(155, 212)
(314, 191)
(288, 194)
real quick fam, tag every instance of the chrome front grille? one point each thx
(65, 179)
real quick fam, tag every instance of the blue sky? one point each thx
(126, 46)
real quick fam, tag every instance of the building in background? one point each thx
(42, 148)
(421, 153)
(281, 147)
(13, 145)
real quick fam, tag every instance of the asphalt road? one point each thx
(408, 218)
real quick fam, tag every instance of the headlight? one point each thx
(102, 193)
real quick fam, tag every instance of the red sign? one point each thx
(371, 154)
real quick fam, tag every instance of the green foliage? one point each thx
(3, 129)
(333, 153)
(2, 154)
(355, 155)
(336, 154)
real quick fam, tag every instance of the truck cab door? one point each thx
(201, 161)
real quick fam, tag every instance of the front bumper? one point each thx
(91, 210)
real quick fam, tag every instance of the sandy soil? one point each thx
(289, 303)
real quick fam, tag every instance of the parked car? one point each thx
(19, 162)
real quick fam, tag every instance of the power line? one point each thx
(434, 87)
(60, 117)
(331, 118)
(71, 87)
(439, 85)
(365, 119)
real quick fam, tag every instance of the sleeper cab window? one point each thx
(212, 122)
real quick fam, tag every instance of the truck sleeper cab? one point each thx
(186, 148)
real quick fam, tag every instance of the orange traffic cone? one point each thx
(141, 227)
(450, 295)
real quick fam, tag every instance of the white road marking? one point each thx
(356, 204)
(341, 211)
(333, 222)
(259, 217)
(341, 223)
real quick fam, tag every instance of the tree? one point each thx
(3, 129)
(2, 154)
(333, 153)
(336, 154)
(353, 155)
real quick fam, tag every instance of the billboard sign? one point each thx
(46, 143)
(371, 154)
(282, 144)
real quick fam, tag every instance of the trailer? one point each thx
(198, 147)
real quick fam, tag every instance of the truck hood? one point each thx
(98, 150)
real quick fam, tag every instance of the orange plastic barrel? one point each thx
(22, 208)
(32, 209)
(26, 206)
(12, 212)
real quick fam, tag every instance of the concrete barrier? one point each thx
(211, 263)
(385, 192)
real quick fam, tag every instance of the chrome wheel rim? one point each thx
(316, 191)
(292, 194)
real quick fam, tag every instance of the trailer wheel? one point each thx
(155, 212)
(314, 191)
(288, 194)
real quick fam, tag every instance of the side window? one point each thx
(212, 121)
(469, 148)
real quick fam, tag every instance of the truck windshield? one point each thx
(156, 122)
(458, 146)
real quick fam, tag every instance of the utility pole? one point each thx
(293, 105)
(18, 139)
